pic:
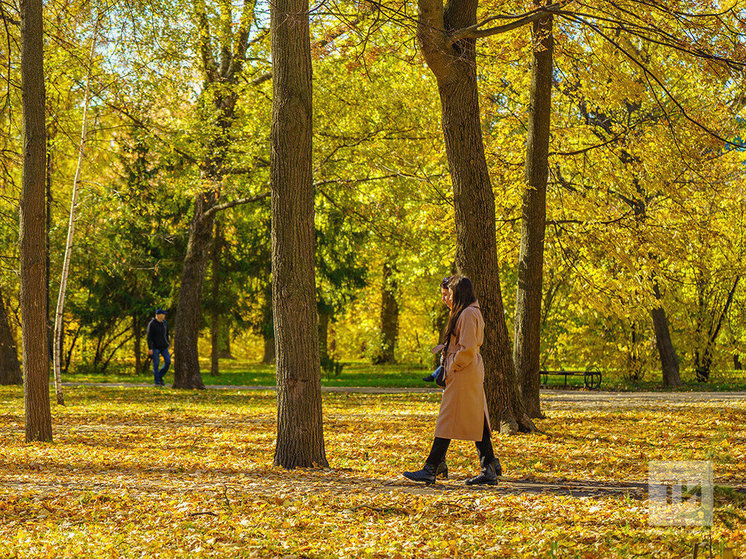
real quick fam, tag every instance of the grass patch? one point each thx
(402, 375)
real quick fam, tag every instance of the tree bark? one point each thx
(527, 338)
(217, 245)
(300, 437)
(33, 247)
(186, 326)
(389, 316)
(666, 351)
(454, 67)
(10, 369)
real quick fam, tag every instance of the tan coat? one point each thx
(463, 409)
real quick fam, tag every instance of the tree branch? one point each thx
(474, 31)
(233, 203)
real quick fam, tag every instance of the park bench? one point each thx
(591, 379)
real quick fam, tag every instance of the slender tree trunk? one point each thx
(215, 315)
(186, 326)
(300, 436)
(389, 315)
(527, 338)
(737, 365)
(33, 247)
(58, 318)
(268, 329)
(225, 341)
(49, 168)
(10, 369)
(666, 351)
(703, 358)
(324, 318)
(137, 331)
(454, 66)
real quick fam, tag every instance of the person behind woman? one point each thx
(445, 296)
(463, 409)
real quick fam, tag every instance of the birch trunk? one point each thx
(58, 323)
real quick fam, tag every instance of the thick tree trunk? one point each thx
(527, 338)
(33, 247)
(300, 436)
(217, 245)
(10, 369)
(186, 326)
(389, 316)
(737, 364)
(324, 318)
(137, 331)
(476, 252)
(666, 351)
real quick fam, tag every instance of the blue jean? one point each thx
(158, 374)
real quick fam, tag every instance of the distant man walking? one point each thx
(158, 345)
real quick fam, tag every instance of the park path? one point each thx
(586, 397)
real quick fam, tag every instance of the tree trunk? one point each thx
(737, 365)
(224, 350)
(324, 318)
(10, 369)
(268, 355)
(666, 351)
(454, 67)
(217, 245)
(703, 358)
(267, 328)
(187, 323)
(389, 316)
(58, 315)
(33, 247)
(137, 331)
(300, 436)
(527, 338)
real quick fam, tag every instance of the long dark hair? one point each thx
(463, 296)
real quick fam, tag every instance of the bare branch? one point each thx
(474, 31)
(233, 203)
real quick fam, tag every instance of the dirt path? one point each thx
(587, 398)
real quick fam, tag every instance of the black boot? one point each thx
(488, 476)
(428, 473)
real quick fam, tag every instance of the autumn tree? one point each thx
(10, 369)
(33, 249)
(220, 95)
(529, 285)
(300, 438)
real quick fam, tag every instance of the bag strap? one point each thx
(445, 350)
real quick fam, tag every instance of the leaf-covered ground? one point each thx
(159, 473)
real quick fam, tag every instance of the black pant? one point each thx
(484, 447)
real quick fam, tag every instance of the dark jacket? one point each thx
(158, 335)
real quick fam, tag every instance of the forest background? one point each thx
(645, 200)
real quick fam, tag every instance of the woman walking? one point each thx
(463, 410)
